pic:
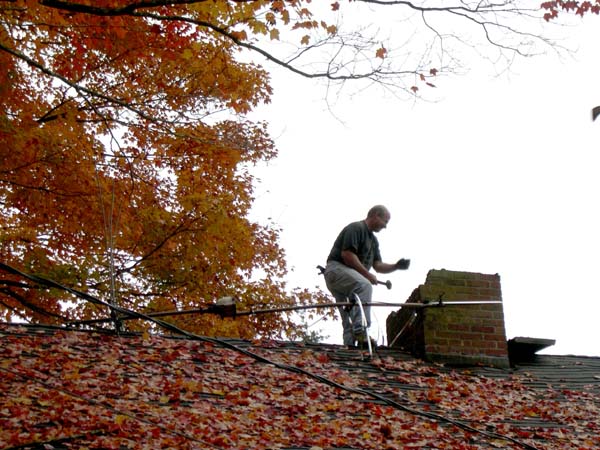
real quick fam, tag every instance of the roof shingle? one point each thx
(68, 389)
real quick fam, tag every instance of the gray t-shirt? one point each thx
(357, 238)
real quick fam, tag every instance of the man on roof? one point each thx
(347, 274)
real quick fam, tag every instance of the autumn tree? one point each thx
(126, 150)
(125, 162)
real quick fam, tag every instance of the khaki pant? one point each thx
(344, 282)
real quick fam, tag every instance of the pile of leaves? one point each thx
(65, 389)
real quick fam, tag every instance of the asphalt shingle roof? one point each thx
(69, 389)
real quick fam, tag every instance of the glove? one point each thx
(403, 264)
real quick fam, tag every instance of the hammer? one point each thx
(387, 284)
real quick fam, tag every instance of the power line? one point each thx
(287, 367)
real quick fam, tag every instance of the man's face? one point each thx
(381, 222)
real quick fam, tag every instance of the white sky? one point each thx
(500, 176)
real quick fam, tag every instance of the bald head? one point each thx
(377, 218)
(378, 210)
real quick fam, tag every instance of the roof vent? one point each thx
(523, 349)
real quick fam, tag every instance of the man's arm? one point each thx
(351, 260)
(382, 267)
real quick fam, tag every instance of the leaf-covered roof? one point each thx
(69, 389)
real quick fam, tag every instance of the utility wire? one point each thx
(213, 309)
(286, 367)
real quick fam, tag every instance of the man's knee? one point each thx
(365, 291)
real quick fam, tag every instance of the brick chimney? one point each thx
(460, 334)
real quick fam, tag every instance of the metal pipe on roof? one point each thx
(215, 310)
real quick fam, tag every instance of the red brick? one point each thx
(483, 329)
(478, 283)
(473, 330)
(499, 337)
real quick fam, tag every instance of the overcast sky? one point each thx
(499, 176)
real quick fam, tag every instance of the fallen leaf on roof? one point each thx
(86, 390)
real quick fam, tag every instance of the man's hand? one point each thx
(403, 264)
(372, 278)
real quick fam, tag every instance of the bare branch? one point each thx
(493, 19)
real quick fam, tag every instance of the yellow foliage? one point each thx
(117, 180)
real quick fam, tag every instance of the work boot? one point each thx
(361, 341)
